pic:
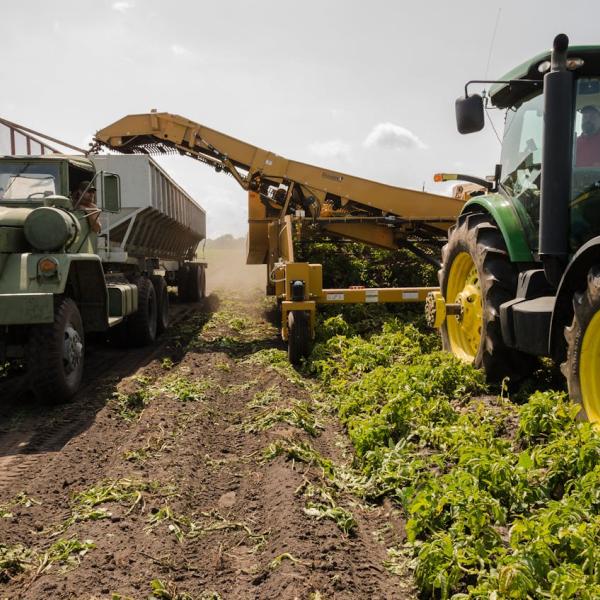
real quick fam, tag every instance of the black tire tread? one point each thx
(585, 305)
(162, 300)
(45, 359)
(299, 339)
(477, 234)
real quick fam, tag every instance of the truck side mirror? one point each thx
(469, 114)
(111, 193)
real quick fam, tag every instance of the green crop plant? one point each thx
(176, 524)
(14, 560)
(186, 390)
(239, 388)
(321, 504)
(123, 491)
(155, 444)
(501, 501)
(298, 415)
(67, 553)
(167, 591)
(130, 406)
(265, 398)
(166, 363)
(280, 558)
(301, 452)
(18, 559)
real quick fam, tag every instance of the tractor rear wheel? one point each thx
(582, 368)
(299, 339)
(55, 354)
(477, 274)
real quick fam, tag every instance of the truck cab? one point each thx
(52, 284)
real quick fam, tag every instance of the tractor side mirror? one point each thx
(469, 114)
(111, 192)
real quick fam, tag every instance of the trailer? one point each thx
(158, 227)
(71, 265)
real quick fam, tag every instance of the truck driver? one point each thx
(84, 198)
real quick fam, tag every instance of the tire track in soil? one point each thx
(44, 430)
(221, 483)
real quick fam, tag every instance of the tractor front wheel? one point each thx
(478, 276)
(582, 368)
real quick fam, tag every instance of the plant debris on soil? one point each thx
(167, 486)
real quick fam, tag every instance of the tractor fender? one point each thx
(504, 214)
(574, 280)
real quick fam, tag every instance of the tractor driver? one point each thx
(588, 143)
(84, 198)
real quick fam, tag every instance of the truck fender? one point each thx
(574, 279)
(86, 285)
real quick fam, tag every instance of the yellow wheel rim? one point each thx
(589, 369)
(464, 288)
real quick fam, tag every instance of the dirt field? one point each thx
(185, 471)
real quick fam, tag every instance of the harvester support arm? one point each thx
(257, 169)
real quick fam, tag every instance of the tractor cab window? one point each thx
(585, 185)
(25, 181)
(522, 161)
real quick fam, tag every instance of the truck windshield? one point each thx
(522, 162)
(22, 181)
(585, 185)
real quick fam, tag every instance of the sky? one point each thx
(366, 88)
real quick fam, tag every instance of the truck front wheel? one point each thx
(582, 368)
(55, 354)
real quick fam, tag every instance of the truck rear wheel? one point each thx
(477, 274)
(55, 354)
(582, 368)
(141, 325)
(182, 277)
(162, 302)
(196, 283)
(299, 340)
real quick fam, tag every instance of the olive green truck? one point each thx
(60, 280)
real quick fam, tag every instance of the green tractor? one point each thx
(521, 270)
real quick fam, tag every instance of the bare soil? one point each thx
(174, 436)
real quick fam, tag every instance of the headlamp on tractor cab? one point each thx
(48, 267)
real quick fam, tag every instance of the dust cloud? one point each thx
(227, 270)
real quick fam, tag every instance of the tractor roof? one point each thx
(504, 95)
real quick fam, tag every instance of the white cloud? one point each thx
(122, 5)
(331, 149)
(179, 50)
(390, 135)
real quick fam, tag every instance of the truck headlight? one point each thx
(50, 229)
